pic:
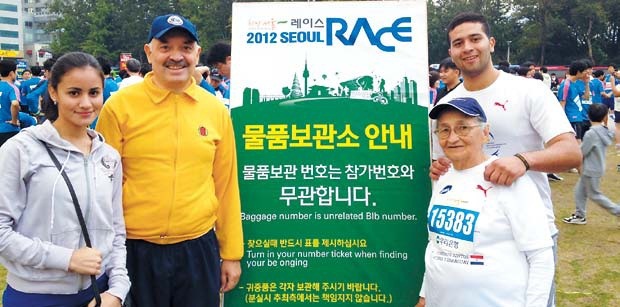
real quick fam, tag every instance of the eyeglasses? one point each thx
(460, 130)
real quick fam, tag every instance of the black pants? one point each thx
(4, 136)
(181, 274)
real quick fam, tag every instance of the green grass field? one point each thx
(589, 270)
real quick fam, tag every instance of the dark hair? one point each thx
(447, 63)
(505, 69)
(218, 54)
(528, 64)
(522, 71)
(433, 76)
(544, 69)
(47, 65)
(539, 76)
(577, 67)
(6, 67)
(36, 70)
(133, 65)
(612, 65)
(597, 112)
(145, 68)
(503, 63)
(63, 65)
(598, 73)
(105, 65)
(26, 70)
(464, 17)
(588, 62)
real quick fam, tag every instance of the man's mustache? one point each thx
(176, 63)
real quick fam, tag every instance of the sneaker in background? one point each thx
(554, 177)
(574, 219)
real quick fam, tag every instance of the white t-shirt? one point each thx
(546, 80)
(523, 115)
(130, 81)
(478, 235)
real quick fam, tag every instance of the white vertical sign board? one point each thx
(329, 102)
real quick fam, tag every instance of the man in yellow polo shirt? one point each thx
(180, 190)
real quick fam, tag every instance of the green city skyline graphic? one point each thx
(365, 87)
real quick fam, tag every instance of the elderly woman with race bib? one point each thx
(489, 245)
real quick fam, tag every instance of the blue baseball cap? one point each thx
(466, 105)
(162, 24)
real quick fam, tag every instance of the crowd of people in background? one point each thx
(497, 126)
(29, 89)
(52, 139)
(576, 91)
(177, 259)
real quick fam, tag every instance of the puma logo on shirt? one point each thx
(479, 187)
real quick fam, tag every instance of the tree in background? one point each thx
(110, 27)
(99, 28)
(497, 12)
(68, 29)
(610, 40)
(544, 31)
